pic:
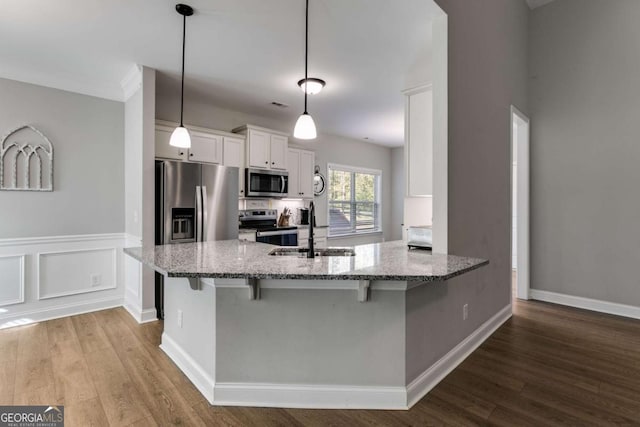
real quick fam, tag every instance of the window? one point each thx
(354, 200)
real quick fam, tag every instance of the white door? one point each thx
(278, 148)
(258, 149)
(520, 192)
(307, 163)
(293, 166)
(233, 155)
(163, 149)
(205, 148)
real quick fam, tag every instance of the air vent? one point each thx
(279, 104)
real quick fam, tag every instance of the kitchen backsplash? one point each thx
(277, 204)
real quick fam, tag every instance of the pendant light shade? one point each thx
(180, 136)
(305, 127)
(311, 85)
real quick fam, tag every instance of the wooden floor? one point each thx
(547, 366)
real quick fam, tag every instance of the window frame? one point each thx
(377, 199)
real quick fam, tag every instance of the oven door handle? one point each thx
(275, 233)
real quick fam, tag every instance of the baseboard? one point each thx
(426, 381)
(198, 376)
(586, 303)
(141, 316)
(310, 396)
(56, 312)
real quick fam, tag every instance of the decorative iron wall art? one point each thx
(26, 160)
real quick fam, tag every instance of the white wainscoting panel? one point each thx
(65, 273)
(44, 278)
(12, 271)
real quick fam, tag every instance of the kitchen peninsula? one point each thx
(253, 329)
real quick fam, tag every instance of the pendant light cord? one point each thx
(184, 34)
(306, 56)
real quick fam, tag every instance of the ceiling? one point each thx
(537, 3)
(241, 54)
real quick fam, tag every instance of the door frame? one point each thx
(520, 123)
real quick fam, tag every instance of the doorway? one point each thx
(519, 203)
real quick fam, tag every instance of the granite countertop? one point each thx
(234, 259)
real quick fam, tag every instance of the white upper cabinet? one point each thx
(163, 149)
(307, 164)
(258, 147)
(300, 164)
(265, 148)
(233, 152)
(278, 152)
(233, 155)
(206, 145)
(419, 141)
(205, 148)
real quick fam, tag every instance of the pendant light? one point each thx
(180, 136)
(305, 126)
(311, 85)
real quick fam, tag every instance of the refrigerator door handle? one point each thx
(203, 236)
(198, 214)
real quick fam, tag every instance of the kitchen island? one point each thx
(253, 329)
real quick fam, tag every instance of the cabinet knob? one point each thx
(191, 154)
(181, 153)
(266, 163)
(273, 163)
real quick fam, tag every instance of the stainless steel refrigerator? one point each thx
(194, 203)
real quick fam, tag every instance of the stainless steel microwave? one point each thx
(266, 183)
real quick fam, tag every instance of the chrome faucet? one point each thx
(312, 220)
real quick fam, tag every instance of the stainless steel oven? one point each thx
(266, 183)
(264, 222)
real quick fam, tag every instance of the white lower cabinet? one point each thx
(248, 236)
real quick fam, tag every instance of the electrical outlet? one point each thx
(180, 318)
(465, 311)
(96, 280)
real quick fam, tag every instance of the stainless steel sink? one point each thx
(302, 252)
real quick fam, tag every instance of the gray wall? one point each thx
(487, 73)
(87, 134)
(585, 149)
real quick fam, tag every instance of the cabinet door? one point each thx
(307, 162)
(278, 148)
(258, 149)
(163, 149)
(233, 152)
(233, 155)
(293, 167)
(419, 144)
(303, 236)
(205, 148)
